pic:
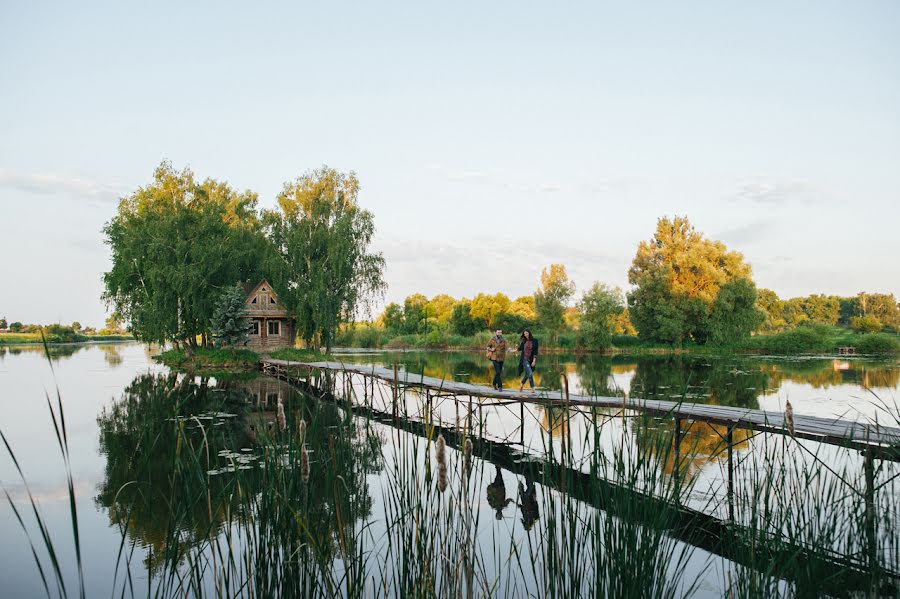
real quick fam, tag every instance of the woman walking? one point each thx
(528, 351)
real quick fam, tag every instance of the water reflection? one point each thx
(186, 458)
(738, 381)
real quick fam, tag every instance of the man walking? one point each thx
(496, 353)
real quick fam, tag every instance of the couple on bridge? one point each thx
(527, 350)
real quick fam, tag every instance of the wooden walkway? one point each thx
(857, 434)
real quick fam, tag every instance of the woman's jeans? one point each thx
(498, 371)
(529, 374)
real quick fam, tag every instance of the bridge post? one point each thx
(394, 392)
(729, 438)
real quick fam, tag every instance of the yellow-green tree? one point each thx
(552, 298)
(324, 270)
(440, 308)
(677, 275)
(489, 307)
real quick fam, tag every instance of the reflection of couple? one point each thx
(527, 350)
(496, 494)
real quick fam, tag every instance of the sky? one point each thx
(490, 139)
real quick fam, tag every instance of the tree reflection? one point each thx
(187, 459)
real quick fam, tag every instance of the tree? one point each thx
(677, 276)
(551, 298)
(176, 244)
(461, 321)
(16, 327)
(523, 307)
(882, 306)
(489, 307)
(324, 270)
(393, 318)
(822, 308)
(113, 325)
(415, 314)
(76, 326)
(3, 323)
(620, 324)
(865, 324)
(597, 307)
(230, 325)
(773, 310)
(440, 307)
(734, 313)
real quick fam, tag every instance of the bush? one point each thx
(865, 324)
(803, 339)
(874, 343)
(626, 341)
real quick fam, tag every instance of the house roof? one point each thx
(268, 310)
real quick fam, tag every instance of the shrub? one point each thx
(874, 343)
(865, 324)
(803, 339)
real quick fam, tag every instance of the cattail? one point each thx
(282, 420)
(789, 417)
(304, 464)
(440, 455)
(301, 430)
(467, 448)
(439, 449)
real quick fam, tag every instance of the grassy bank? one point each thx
(812, 339)
(206, 361)
(21, 338)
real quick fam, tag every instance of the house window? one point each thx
(254, 300)
(274, 327)
(271, 300)
(272, 399)
(254, 327)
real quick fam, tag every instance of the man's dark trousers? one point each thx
(498, 369)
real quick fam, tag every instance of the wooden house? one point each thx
(271, 326)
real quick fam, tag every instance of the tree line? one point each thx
(180, 246)
(686, 288)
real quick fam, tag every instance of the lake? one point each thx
(189, 484)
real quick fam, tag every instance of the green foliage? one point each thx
(597, 307)
(773, 310)
(175, 243)
(821, 308)
(230, 324)
(677, 276)
(210, 361)
(415, 314)
(324, 271)
(551, 298)
(3, 323)
(734, 313)
(878, 344)
(804, 339)
(16, 327)
(488, 308)
(865, 324)
(462, 322)
(393, 318)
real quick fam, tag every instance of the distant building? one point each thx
(271, 326)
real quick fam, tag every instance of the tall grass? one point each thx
(215, 494)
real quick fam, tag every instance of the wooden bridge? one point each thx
(719, 536)
(870, 437)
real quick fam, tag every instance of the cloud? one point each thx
(50, 184)
(773, 191)
(496, 179)
(490, 265)
(748, 233)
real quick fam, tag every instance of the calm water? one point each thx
(116, 398)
